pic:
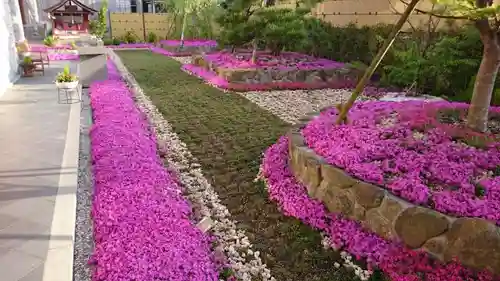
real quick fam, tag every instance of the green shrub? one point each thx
(130, 37)
(49, 41)
(107, 41)
(152, 37)
(116, 41)
(276, 28)
(452, 62)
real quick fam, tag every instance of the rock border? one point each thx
(329, 76)
(475, 242)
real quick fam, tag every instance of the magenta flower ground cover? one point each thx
(287, 60)
(190, 43)
(131, 46)
(406, 148)
(142, 226)
(397, 262)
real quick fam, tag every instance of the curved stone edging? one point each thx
(474, 241)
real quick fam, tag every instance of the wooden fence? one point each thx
(121, 23)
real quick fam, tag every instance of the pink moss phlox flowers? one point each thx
(397, 262)
(142, 226)
(265, 60)
(63, 56)
(431, 170)
(189, 43)
(131, 46)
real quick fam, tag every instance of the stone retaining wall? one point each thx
(474, 241)
(188, 50)
(274, 75)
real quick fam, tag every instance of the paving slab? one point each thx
(38, 177)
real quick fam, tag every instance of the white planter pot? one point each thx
(67, 85)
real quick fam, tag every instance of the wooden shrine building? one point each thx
(69, 17)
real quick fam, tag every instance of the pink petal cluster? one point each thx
(43, 48)
(397, 262)
(190, 43)
(63, 56)
(285, 61)
(142, 226)
(131, 46)
(416, 157)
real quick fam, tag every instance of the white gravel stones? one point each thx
(290, 106)
(245, 263)
(183, 60)
(84, 242)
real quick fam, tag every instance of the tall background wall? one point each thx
(11, 31)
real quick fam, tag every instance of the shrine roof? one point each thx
(74, 6)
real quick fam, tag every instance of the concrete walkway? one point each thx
(38, 177)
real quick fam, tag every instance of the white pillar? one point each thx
(17, 21)
(31, 12)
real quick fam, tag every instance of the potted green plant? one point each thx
(66, 79)
(28, 66)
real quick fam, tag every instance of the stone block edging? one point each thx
(475, 242)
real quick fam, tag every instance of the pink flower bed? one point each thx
(43, 48)
(142, 227)
(63, 56)
(164, 52)
(285, 61)
(190, 43)
(131, 46)
(397, 262)
(403, 147)
(56, 53)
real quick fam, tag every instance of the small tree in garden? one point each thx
(99, 26)
(484, 15)
(251, 21)
(188, 9)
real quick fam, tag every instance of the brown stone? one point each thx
(436, 246)
(359, 212)
(475, 242)
(336, 176)
(338, 200)
(416, 225)
(294, 162)
(295, 139)
(321, 191)
(238, 75)
(308, 168)
(392, 206)
(379, 224)
(368, 195)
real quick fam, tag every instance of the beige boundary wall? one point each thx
(337, 12)
(370, 12)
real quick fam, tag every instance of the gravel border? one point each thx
(233, 245)
(84, 242)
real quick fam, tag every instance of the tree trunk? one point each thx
(253, 60)
(183, 28)
(477, 117)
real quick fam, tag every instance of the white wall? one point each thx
(11, 31)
